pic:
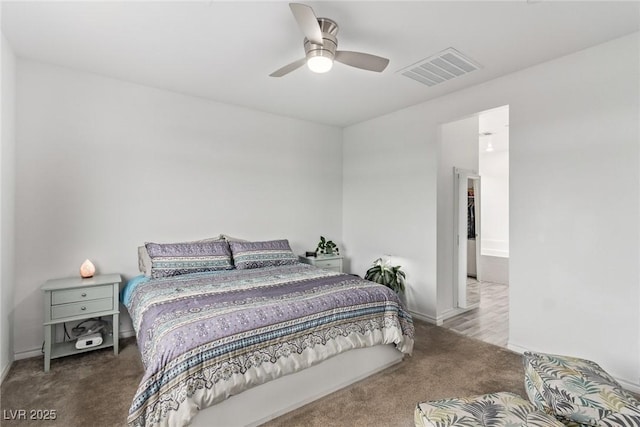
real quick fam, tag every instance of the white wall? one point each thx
(458, 149)
(389, 208)
(494, 209)
(574, 200)
(575, 208)
(7, 196)
(104, 165)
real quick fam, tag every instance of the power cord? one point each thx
(97, 325)
(66, 333)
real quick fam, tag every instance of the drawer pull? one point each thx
(83, 308)
(84, 294)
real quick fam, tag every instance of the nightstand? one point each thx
(328, 262)
(73, 299)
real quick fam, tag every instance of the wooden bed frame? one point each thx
(274, 398)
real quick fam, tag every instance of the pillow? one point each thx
(144, 261)
(174, 259)
(578, 391)
(248, 255)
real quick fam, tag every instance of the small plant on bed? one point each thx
(385, 274)
(327, 247)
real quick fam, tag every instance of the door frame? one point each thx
(461, 178)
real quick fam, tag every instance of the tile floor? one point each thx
(490, 321)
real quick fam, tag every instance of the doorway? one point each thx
(480, 227)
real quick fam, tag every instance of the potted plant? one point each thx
(388, 275)
(327, 247)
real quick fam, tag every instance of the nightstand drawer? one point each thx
(333, 263)
(81, 294)
(328, 264)
(81, 308)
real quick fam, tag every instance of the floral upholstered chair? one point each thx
(491, 410)
(578, 392)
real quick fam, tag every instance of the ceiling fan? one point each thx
(320, 46)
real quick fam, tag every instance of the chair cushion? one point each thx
(578, 391)
(491, 410)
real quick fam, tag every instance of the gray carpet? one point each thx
(96, 388)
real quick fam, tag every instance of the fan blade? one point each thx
(289, 68)
(362, 60)
(307, 22)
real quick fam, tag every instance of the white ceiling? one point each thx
(224, 51)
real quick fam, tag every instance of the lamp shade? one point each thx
(319, 64)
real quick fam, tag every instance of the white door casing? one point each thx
(461, 178)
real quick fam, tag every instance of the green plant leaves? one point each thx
(326, 247)
(391, 277)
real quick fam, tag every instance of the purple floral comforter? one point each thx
(206, 336)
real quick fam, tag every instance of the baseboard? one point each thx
(425, 317)
(27, 354)
(495, 247)
(516, 348)
(5, 371)
(127, 334)
(439, 320)
(37, 352)
(633, 387)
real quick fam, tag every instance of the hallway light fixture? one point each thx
(489, 137)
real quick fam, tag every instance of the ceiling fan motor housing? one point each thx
(321, 44)
(329, 30)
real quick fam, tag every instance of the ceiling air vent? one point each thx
(440, 67)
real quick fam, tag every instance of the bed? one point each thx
(207, 335)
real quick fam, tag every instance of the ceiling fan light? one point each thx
(319, 64)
